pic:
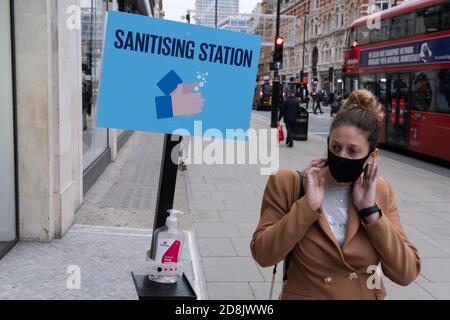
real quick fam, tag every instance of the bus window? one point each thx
(422, 92)
(351, 37)
(429, 20)
(363, 35)
(368, 82)
(402, 26)
(446, 16)
(381, 79)
(382, 33)
(355, 84)
(443, 91)
(351, 84)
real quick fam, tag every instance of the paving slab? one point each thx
(216, 247)
(230, 291)
(216, 229)
(242, 246)
(436, 269)
(230, 269)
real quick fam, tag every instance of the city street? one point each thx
(134, 141)
(223, 203)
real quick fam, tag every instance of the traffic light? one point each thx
(278, 53)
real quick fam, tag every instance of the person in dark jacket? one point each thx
(304, 95)
(319, 99)
(333, 103)
(289, 111)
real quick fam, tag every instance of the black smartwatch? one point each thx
(364, 213)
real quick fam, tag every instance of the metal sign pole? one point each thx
(167, 183)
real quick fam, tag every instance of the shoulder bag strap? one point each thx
(288, 257)
(287, 260)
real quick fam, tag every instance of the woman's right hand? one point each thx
(314, 192)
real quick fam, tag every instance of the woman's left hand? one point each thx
(364, 188)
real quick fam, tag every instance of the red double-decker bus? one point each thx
(402, 55)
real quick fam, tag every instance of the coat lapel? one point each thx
(353, 223)
(323, 223)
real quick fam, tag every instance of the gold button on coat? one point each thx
(353, 276)
(327, 280)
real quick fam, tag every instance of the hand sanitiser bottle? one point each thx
(166, 267)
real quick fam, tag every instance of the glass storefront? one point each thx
(95, 140)
(7, 162)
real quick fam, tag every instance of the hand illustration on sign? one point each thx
(184, 102)
(179, 100)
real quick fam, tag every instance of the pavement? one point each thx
(109, 238)
(112, 229)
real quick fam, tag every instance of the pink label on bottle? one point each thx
(170, 249)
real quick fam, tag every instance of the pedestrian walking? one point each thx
(319, 99)
(305, 96)
(289, 111)
(337, 220)
(333, 103)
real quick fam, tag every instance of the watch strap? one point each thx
(364, 213)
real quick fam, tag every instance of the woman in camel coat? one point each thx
(346, 224)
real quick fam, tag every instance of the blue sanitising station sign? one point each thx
(160, 76)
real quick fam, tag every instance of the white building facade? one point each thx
(51, 150)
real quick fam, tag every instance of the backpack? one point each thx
(287, 260)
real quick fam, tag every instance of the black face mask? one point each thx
(343, 169)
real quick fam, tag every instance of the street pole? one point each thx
(303, 54)
(216, 14)
(276, 79)
(305, 14)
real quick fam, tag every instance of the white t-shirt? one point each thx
(335, 207)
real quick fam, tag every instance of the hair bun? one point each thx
(363, 99)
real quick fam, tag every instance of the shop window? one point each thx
(7, 182)
(422, 90)
(92, 17)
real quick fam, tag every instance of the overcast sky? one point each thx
(174, 9)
